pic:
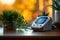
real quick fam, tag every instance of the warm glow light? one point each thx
(9, 2)
(27, 14)
(41, 4)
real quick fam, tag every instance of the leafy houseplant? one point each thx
(8, 17)
(56, 11)
(56, 7)
(12, 19)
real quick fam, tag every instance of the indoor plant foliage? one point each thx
(56, 5)
(8, 17)
(12, 19)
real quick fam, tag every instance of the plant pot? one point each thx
(9, 27)
(57, 18)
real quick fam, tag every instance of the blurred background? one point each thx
(30, 9)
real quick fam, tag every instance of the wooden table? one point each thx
(55, 34)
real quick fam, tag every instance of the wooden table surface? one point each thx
(47, 34)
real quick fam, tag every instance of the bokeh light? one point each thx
(8, 2)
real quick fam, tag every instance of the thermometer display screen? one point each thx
(41, 20)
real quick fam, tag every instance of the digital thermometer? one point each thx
(44, 22)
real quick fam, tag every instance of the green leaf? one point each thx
(56, 5)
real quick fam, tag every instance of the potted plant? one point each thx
(11, 20)
(56, 7)
(56, 15)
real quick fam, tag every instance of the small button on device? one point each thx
(34, 25)
(40, 25)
